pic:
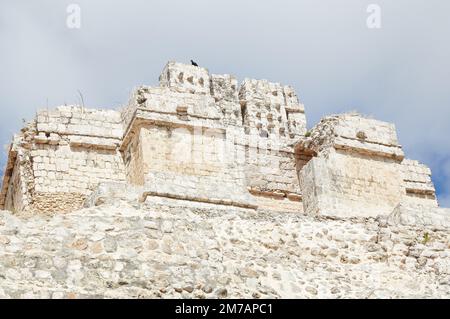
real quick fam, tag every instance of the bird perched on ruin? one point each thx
(194, 63)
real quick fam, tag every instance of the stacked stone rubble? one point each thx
(168, 248)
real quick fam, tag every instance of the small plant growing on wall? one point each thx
(308, 134)
(361, 135)
(426, 238)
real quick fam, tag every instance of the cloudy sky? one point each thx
(323, 48)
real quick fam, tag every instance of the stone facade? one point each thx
(168, 248)
(202, 137)
(358, 169)
(60, 157)
(201, 188)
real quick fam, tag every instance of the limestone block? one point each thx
(420, 216)
(197, 189)
(54, 139)
(224, 88)
(185, 78)
(97, 142)
(353, 132)
(111, 192)
(66, 120)
(41, 138)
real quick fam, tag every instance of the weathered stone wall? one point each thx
(273, 119)
(418, 184)
(204, 138)
(184, 151)
(200, 188)
(351, 185)
(179, 249)
(195, 162)
(358, 169)
(224, 89)
(195, 111)
(352, 131)
(271, 109)
(185, 78)
(245, 144)
(74, 122)
(271, 172)
(63, 155)
(74, 169)
(61, 202)
(74, 150)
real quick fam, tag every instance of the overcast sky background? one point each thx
(323, 48)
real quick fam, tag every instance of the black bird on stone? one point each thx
(193, 63)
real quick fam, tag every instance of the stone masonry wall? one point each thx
(70, 150)
(199, 188)
(418, 184)
(185, 78)
(271, 109)
(358, 169)
(351, 185)
(271, 173)
(184, 101)
(179, 249)
(197, 133)
(194, 160)
(74, 150)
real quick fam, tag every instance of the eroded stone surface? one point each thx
(176, 249)
(358, 169)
